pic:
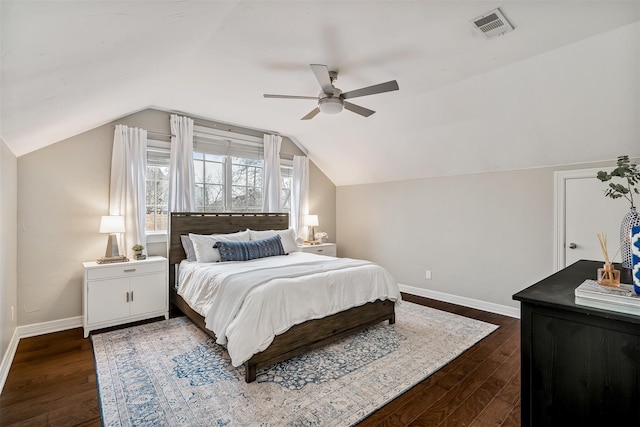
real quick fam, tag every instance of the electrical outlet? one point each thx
(428, 275)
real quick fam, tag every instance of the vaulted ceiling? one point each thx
(551, 92)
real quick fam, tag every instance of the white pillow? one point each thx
(203, 244)
(287, 237)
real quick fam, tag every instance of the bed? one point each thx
(295, 340)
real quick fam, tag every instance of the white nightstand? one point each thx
(328, 249)
(124, 292)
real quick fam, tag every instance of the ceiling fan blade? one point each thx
(322, 74)
(312, 114)
(358, 109)
(371, 90)
(267, 95)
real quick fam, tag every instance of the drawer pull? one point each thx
(130, 270)
(320, 250)
(127, 296)
(131, 295)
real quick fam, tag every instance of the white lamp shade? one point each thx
(311, 220)
(112, 224)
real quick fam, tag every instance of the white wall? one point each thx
(8, 244)
(63, 190)
(579, 103)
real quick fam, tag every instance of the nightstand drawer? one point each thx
(126, 269)
(328, 249)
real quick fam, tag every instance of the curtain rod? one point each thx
(242, 130)
(155, 133)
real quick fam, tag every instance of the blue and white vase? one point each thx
(635, 256)
(630, 220)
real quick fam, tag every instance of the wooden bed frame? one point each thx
(299, 338)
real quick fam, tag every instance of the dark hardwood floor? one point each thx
(52, 382)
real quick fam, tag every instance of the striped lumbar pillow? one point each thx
(244, 251)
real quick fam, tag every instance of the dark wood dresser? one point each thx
(580, 366)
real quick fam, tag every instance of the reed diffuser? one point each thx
(607, 275)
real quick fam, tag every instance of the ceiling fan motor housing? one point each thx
(331, 105)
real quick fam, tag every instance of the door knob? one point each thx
(572, 246)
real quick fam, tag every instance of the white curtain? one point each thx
(181, 174)
(299, 195)
(271, 176)
(128, 184)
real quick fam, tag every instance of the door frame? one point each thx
(559, 203)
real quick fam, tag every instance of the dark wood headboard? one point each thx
(182, 223)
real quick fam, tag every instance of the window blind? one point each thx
(215, 141)
(158, 152)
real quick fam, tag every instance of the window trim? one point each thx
(157, 236)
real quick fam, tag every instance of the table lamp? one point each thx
(112, 224)
(311, 221)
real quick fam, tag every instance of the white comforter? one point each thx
(247, 303)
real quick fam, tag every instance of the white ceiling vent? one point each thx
(492, 23)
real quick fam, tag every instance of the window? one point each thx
(228, 177)
(243, 193)
(286, 183)
(209, 171)
(246, 185)
(157, 186)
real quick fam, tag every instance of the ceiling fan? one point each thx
(332, 100)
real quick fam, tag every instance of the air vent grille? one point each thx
(492, 23)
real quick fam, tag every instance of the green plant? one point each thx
(137, 247)
(630, 175)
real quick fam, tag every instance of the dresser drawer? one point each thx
(126, 269)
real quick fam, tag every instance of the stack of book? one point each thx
(111, 259)
(621, 299)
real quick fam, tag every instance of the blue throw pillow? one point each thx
(244, 251)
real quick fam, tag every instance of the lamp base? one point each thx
(112, 247)
(108, 260)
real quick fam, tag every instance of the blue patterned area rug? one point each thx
(170, 373)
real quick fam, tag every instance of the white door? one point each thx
(582, 212)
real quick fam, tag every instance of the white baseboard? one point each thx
(463, 301)
(7, 359)
(31, 331)
(49, 327)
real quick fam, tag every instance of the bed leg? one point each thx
(392, 319)
(249, 373)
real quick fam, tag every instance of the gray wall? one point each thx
(63, 190)
(322, 201)
(8, 244)
(483, 236)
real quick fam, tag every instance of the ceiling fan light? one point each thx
(330, 105)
